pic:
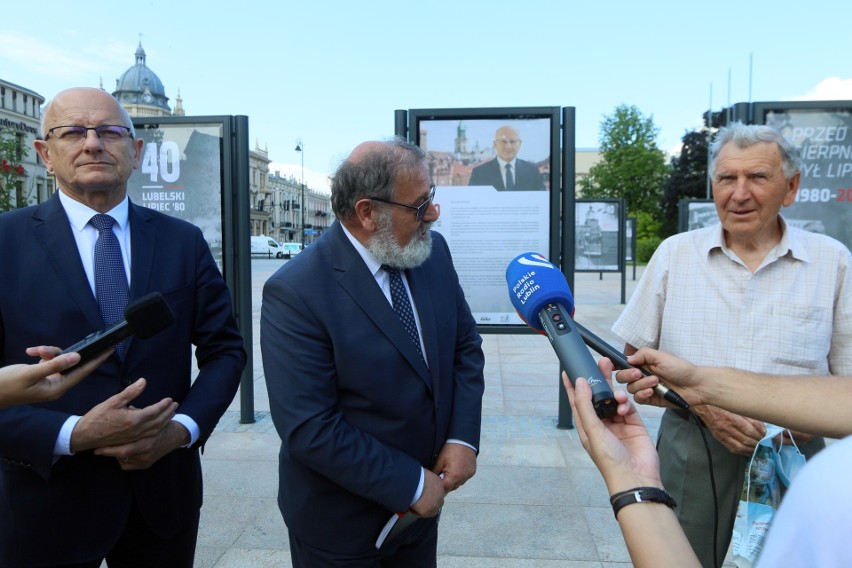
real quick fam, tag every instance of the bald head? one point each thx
(372, 170)
(507, 142)
(82, 100)
(365, 149)
(89, 167)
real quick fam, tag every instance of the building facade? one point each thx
(584, 159)
(288, 224)
(260, 196)
(318, 214)
(23, 177)
(285, 208)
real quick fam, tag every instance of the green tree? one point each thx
(632, 166)
(11, 169)
(688, 178)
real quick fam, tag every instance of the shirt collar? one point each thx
(80, 214)
(788, 244)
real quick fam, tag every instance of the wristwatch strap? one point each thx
(640, 495)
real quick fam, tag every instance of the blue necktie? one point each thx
(510, 179)
(402, 305)
(111, 287)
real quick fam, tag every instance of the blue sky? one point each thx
(332, 72)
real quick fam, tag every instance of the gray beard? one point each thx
(384, 247)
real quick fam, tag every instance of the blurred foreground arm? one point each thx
(818, 405)
(43, 381)
(624, 453)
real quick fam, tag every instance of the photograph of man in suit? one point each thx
(111, 469)
(507, 172)
(371, 405)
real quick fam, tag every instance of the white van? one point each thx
(267, 246)
(291, 249)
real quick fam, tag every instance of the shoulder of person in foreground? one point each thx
(811, 527)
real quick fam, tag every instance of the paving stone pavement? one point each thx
(537, 500)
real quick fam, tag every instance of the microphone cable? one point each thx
(702, 430)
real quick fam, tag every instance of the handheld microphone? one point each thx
(620, 362)
(541, 296)
(144, 317)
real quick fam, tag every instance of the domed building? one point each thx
(141, 92)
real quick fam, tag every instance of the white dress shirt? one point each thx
(85, 236)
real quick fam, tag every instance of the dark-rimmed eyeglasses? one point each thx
(421, 209)
(108, 132)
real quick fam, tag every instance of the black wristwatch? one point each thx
(640, 495)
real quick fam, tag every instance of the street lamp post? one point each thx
(300, 149)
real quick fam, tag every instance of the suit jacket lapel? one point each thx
(362, 288)
(53, 233)
(142, 245)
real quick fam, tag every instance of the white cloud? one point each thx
(45, 58)
(830, 89)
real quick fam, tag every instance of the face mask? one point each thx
(788, 459)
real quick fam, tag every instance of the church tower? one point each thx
(140, 91)
(461, 140)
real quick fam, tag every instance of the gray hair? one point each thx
(746, 135)
(373, 174)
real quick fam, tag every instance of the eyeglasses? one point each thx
(108, 132)
(421, 209)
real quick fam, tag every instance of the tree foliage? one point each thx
(689, 175)
(11, 168)
(632, 166)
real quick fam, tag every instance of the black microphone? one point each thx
(144, 317)
(541, 296)
(620, 362)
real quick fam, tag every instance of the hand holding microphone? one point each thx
(620, 447)
(534, 283)
(541, 296)
(621, 362)
(144, 317)
(661, 366)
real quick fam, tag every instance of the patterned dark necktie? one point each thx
(402, 305)
(111, 287)
(510, 179)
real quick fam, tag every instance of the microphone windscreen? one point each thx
(149, 315)
(535, 282)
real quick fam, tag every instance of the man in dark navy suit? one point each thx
(110, 470)
(506, 172)
(378, 413)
